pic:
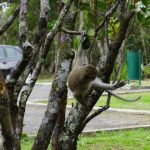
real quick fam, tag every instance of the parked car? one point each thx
(9, 56)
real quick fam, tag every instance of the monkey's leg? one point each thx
(82, 102)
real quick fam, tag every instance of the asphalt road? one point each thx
(107, 120)
(41, 92)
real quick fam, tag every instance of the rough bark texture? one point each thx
(5, 118)
(65, 49)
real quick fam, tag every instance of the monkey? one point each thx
(83, 77)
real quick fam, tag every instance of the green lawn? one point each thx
(143, 103)
(137, 139)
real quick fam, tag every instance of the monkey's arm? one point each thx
(98, 84)
(122, 98)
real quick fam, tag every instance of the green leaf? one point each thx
(101, 4)
(84, 6)
(140, 16)
(143, 9)
(91, 19)
(91, 32)
(145, 2)
(146, 22)
(65, 1)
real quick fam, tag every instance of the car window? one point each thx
(11, 53)
(19, 55)
(1, 53)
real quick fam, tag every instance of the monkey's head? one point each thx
(80, 78)
(87, 73)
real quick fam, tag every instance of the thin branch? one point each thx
(101, 25)
(26, 46)
(72, 32)
(10, 20)
(44, 14)
(55, 29)
(107, 16)
(97, 112)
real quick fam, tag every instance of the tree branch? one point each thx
(44, 14)
(5, 118)
(72, 32)
(96, 113)
(107, 16)
(10, 20)
(101, 25)
(26, 47)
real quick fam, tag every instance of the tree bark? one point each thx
(5, 118)
(65, 47)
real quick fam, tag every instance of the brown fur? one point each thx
(79, 79)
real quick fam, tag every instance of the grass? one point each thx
(142, 104)
(136, 139)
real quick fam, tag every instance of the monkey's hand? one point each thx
(119, 84)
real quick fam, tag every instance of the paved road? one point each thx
(107, 120)
(41, 91)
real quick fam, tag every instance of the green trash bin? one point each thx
(134, 59)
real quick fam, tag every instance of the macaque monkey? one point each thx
(84, 76)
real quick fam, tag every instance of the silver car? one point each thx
(9, 56)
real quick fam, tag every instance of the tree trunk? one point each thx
(5, 117)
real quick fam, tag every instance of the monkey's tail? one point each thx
(124, 99)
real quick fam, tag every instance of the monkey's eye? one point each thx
(86, 77)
